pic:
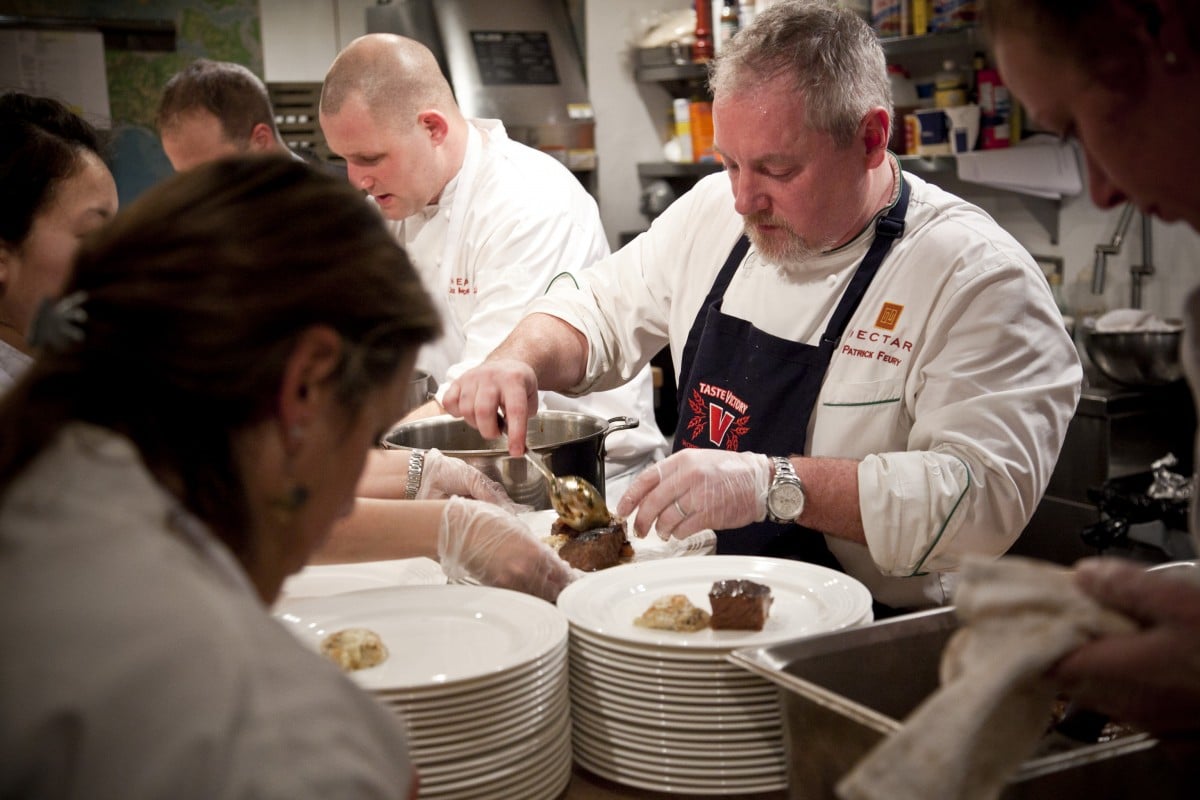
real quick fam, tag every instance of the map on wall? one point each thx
(224, 30)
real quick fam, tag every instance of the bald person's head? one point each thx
(397, 78)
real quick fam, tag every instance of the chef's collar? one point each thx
(868, 230)
(446, 198)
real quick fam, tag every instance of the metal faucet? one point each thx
(1137, 271)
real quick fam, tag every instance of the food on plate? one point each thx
(590, 550)
(739, 605)
(354, 649)
(673, 613)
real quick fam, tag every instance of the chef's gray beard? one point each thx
(788, 257)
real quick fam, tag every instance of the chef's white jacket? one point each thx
(954, 382)
(510, 224)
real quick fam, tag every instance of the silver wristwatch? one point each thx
(416, 466)
(785, 497)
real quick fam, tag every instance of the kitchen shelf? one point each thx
(928, 43)
(1043, 209)
(672, 169)
(666, 73)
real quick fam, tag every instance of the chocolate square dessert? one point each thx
(739, 605)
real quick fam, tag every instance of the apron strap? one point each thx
(714, 295)
(888, 229)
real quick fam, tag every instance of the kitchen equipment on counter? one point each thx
(1136, 358)
(421, 388)
(568, 443)
(1116, 431)
(516, 61)
(664, 710)
(846, 690)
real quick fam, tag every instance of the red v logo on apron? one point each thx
(719, 421)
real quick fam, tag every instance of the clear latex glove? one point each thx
(481, 541)
(445, 476)
(695, 489)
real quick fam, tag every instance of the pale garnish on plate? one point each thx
(354, 649)
(673, 613)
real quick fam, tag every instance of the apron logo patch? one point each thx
(723, 427)
(889, 315)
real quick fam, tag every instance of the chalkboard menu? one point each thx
(514, 58)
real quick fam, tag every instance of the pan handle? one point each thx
(615, 424)
(621, 424)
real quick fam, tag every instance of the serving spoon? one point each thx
(579, 504)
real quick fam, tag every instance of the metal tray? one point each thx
(842, 692)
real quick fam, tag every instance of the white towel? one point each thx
(1019, 617)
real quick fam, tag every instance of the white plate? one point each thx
(654, 780)
(745, 744)
(664, 684)
(505, 701)
(639, 692)
(808, 599)
(647, 549)
(479, 690)
(489, 744)
(437, 636)
(321, 580)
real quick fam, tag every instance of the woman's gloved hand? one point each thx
(484, 542)
(695, 489)
(445, 476)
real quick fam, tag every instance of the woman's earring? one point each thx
(286, 506)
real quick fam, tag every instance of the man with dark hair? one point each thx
(212, 109)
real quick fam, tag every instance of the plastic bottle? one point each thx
(683, 128)
(729, 20)
(904, 101)
(995, 111)
(702, 48)
(949, 88)
(700, 116)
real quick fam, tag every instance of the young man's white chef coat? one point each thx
(513, 221)
(953, 384)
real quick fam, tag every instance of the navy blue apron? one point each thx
(743, 389)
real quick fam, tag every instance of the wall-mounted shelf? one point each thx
(926, 43)
(666, 73)
(672, 169)
(938, 168)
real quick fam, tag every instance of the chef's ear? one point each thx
(262, 138)
(873, 134)
(306, 392)
(435, 125)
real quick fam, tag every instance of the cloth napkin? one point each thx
(1019, 616)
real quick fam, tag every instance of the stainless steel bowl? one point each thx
(1135, 358)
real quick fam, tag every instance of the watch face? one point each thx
(786, 500)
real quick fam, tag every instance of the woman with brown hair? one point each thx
(227, 351)
(1123, 78)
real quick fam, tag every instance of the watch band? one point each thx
(785, 474)
(416, 466)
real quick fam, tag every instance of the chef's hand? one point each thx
(480, 541)
(481, 393)
(1150, 678)
(445, 476)
(695, 489)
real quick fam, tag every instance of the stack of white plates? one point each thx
(666, 711)
(479, 675)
